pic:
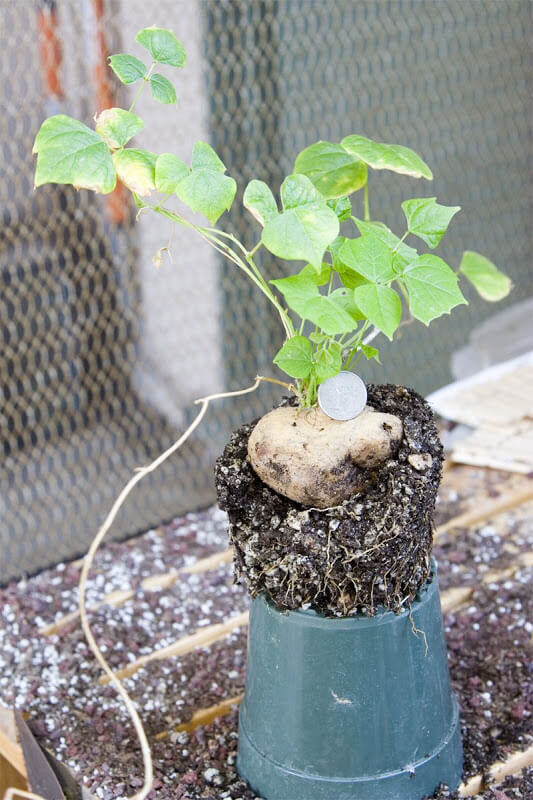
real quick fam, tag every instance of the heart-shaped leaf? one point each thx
(169, 171)
(297, 291)
(128, 69)
(342, 208)
(489, 282)
(432, 287)
(332, 170)
(70, 152)
(328, 363)
(329, 314)
(394, 157)
(345, 298)
(206, 188)
(259, 201)
(162, 46)
(162, 89)
(319, 278)
(117, 127)
(305, 227)
(295, 357)
(370, 257)
(402, 254)
(370, 352)
(427, 219)
(381, 306)
(136, 169)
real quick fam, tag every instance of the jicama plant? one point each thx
(350, 287)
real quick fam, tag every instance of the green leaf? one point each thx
(381, 306)
(490, 283)
(394, 157)
(331, 169)
(128, 69)
(319, 278)
(349, 278)
(297, 291)
(432, 288)
(342, 208)
(117, 127)
(317, 337)
(329, 314)
(70, 152)
(345, 298)
(206, 188)
(162, 46)
(427, 219)
(162, 89)
(328, 363)
(259, 201)
(169, 171)
(403, 255)
(370, 257)
(305, 227)
(370, 352)
(295, 357)
(204, 157)
(136, 169)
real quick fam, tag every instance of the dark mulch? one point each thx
(372, 550)
(55, 678)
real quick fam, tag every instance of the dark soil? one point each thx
(372, 550)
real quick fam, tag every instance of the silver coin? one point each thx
(342, 397)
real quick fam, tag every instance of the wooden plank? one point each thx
(202, 638)
(204, 716)
(151, 584)
(498, 772)
(480, 512)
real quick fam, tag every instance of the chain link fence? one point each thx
(101, 355)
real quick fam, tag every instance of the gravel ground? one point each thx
(54, 678)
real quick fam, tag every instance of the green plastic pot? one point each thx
(353, 708)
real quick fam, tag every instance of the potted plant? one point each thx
(330, 496)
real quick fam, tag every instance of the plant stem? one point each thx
(356, 345)
(145, 80)
(224, 249)
(367, 205)
(254, 250)
(406, 234)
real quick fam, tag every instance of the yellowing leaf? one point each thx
(117, 127)
(136, 170)
(489, 282)
(394, 157)
(332, 170)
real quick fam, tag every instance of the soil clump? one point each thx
(370, 551)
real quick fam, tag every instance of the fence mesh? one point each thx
(100, 354)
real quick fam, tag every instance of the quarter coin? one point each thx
(342, 397)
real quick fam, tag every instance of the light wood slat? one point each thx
(204, 716)
(202, 638)
(151, 584)
(12, 752)
(483, 511)
(498, 772)
(457, 596)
